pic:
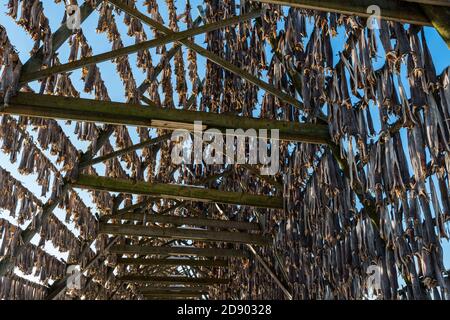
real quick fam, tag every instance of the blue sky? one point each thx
(21, 40)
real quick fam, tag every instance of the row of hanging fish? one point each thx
(32, 18)
(10, 67)
(21, 203)
(17, 288)
(16, 142)
(59, 147)
(32, 260)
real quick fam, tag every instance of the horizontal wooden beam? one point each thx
(172, 280)
(55, 107)
(190, 221)
(172, 262)
(123, 151)
(172, 191)
(393, 10)
(181, 233)
(193, 294)
(177, 251)
(173, 36)
(172, 289)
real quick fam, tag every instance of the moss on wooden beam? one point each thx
(172, 262)
(182, 233)
(190, 221)
(55, 107)
(176, 251)
(171, 295)
(440, 18)
(172, 191)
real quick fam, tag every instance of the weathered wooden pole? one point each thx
(209, 55)
(172, 191)
(173, 262)
(177, 251)
(174, 36)
(172, 280)
(55, 107)
(181, 233)
(191, 221)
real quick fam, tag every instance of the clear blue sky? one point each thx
(21, 40)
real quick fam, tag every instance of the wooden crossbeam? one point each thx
(172, 280)
(169, 299)
(209, 55)
(55, 107)
(173, 36)
(129, 149)
(172, 289)
(445, 3)
(179, 233)
(176, 251)
(190, 221)
(171, 295)
(173, 262)
(172, 191)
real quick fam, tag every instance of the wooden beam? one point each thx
(190, 221)
(440, 18)
(55, 107)
(172, 280)
(176, 251)
(171, 295)
(173, 262)
(179, 233)
(170, 37)
(172, 191)
(172, 289)
(209, 55)
(393, 10)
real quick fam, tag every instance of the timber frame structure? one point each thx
(364, 158)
